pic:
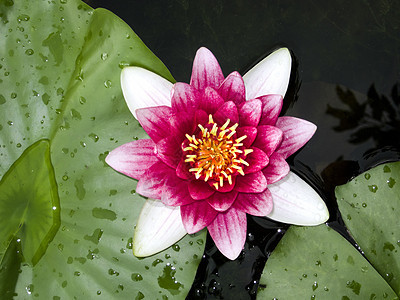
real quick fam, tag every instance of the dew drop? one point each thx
(107, 83)
(29, 52)
(391, 182)
(94, 137)
(315, 286)
(136, 277)
(104, 56)
(386, 169)
(367, 176)
(2, 99)
(373, 188)
(123, 64)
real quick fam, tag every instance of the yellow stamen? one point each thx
(233, 128)
(188, 137)
(238, 140)
(230, 135)
(190, 159)
(207, 177)
(247, 151)
(214, 129)
(244, 162)
(214, 155)
(198, 173)
(223, 127)
(240, 171)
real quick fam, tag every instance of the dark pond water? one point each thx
(345, 79)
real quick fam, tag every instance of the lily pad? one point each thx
(318, 263)
(370, 206)
(60, 64)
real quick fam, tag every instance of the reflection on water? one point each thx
(377, 117)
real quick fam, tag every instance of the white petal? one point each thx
(269, 76)
(159, 226)
(143, 88)
(295, 202)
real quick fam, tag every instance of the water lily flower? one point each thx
(217, 151)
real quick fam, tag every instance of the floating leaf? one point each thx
(370, 206)
(59, 81)
(317, 263)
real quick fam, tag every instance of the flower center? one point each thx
(216, 153)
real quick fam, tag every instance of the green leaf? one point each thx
(317, 263)
(60, 65)
(9, 269)
(370, 206)
(29, 203)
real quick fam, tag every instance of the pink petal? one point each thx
(232, 88)
(268, 138)
(249, 132)
(197, 215)
(210, 101)
(134, 158)
(201, 117)
(182, 170)
(271, 108)
(222, 201)
(276, 169)
(175, 192)
(227, 111)
(143, 88)
(199, 189)
(206, 71)
(250, 113)
(184, 97)
(169, 151)
(151, 182)
(257, 161)
(251, 183)
(155, 121)
(158, 227)
(182, 124)
(257, 204)
(296, 133)
(228, 230)
(270, 76)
